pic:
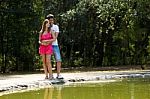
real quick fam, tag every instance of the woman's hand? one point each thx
(44, 43)
(47, 41)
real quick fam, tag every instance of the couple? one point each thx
(49, 45)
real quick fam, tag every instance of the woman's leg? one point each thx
(49, 66)
(44, 65)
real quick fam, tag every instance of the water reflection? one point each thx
(132, 91)
(48, 94)
(52, 93)
(126, 89)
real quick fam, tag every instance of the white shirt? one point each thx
(55, 28)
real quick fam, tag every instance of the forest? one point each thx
(93, 33)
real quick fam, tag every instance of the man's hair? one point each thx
(49, 16)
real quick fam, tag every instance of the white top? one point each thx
(55, 28)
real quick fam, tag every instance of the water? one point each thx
(127, 89)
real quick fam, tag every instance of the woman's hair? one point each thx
(44, 26)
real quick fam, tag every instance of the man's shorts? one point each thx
(56, 53)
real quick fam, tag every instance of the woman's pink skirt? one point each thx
(45, 49)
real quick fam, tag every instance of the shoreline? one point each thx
(18, 83)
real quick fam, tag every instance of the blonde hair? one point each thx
(44, 26)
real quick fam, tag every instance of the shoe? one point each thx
(51, 77)
(59, 77)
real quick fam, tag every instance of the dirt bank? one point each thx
(14, 83)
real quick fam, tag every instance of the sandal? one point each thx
(46, 77)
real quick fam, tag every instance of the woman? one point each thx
(46, 37)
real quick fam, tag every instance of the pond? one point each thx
(133, 88)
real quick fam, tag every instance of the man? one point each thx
(55, 46)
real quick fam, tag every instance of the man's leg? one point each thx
(58, 60)
(58, 67)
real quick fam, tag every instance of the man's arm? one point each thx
(50, 40)
(56, 34)
(56, 31)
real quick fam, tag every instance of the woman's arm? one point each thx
(50, 40)
(40, 38)
(40, 41)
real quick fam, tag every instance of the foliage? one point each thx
(92, 32)
(105, 26)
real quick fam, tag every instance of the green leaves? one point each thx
(109, 21)
(105, 32)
